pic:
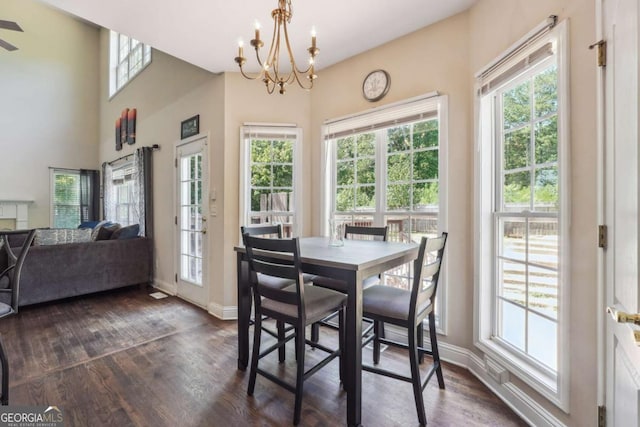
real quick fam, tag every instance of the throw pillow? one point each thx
(56, 236)
(88, 224)
(94, 233)
(128, 232)
(105, 232)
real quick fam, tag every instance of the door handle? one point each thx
(622, 317)
(204, 231)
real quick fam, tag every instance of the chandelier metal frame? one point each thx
(271, 73)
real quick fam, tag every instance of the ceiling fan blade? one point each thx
(7, 46)
(10, 25)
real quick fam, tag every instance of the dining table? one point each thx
(350, 263)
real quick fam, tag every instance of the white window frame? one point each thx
(274, 130)
(554, 387)
(53, 173)
(427, 105)
(115, 61)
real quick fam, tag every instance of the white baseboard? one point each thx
(521, 403)
(223, 312)
(166, 287)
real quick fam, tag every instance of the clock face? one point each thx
(376, 85)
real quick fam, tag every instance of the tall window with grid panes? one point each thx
(386, 169)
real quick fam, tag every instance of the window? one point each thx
(524, 203)
(74, 197)
(127, 182)
(123, 181)
(386, 168)
(270, 176)
(128, 57)
(65, 200)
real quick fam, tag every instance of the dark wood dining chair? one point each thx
(355, 232)
(408, 309)
(298, 305)
(10, 282)
(271, 231)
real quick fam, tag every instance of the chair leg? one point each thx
(300, 345)
(420, 342)
(342, 345)
(415, 375)
(281, 336)
(376, 342)
(434, 350)
(315, 332)
(4, 399)
(255, 355)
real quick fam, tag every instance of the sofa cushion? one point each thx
(56, 236)
(128, 232)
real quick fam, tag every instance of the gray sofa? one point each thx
(53, 272)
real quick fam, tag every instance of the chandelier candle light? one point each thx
(270, 72)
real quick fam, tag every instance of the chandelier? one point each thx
(270, 71)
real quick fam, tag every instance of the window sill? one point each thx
(545, 384)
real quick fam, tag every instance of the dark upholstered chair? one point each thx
(298, 305)
(357, 233)
(407, 309)
(10, 282)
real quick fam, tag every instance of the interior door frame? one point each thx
(205, 214)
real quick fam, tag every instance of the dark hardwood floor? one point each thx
(125, 359)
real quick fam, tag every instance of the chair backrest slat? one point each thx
(278, 258)
(362, 232)
(427, 268)
(271, 230)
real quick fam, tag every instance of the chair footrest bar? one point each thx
(276, 346)
(319, 346)
(386, 373)
(321, 364)
(271, 377)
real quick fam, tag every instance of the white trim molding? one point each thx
(166, 287)
(223, 312)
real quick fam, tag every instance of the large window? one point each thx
(269, 184)
(128, 57)
(123, 187)
(387, 168)
(523, 202)
(65, 199)
(74, 197)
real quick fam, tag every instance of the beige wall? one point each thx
(432, 59)
(247, 101)
(488, 39)
(444, 57)
(165, 93)
(63, 60)
(48, 102)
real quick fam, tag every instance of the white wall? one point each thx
(48, 102)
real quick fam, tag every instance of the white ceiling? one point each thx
(206, 32)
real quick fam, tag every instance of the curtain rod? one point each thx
(532, 35)
(382, 108)
(153, 148)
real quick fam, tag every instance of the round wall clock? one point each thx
(376, 85)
